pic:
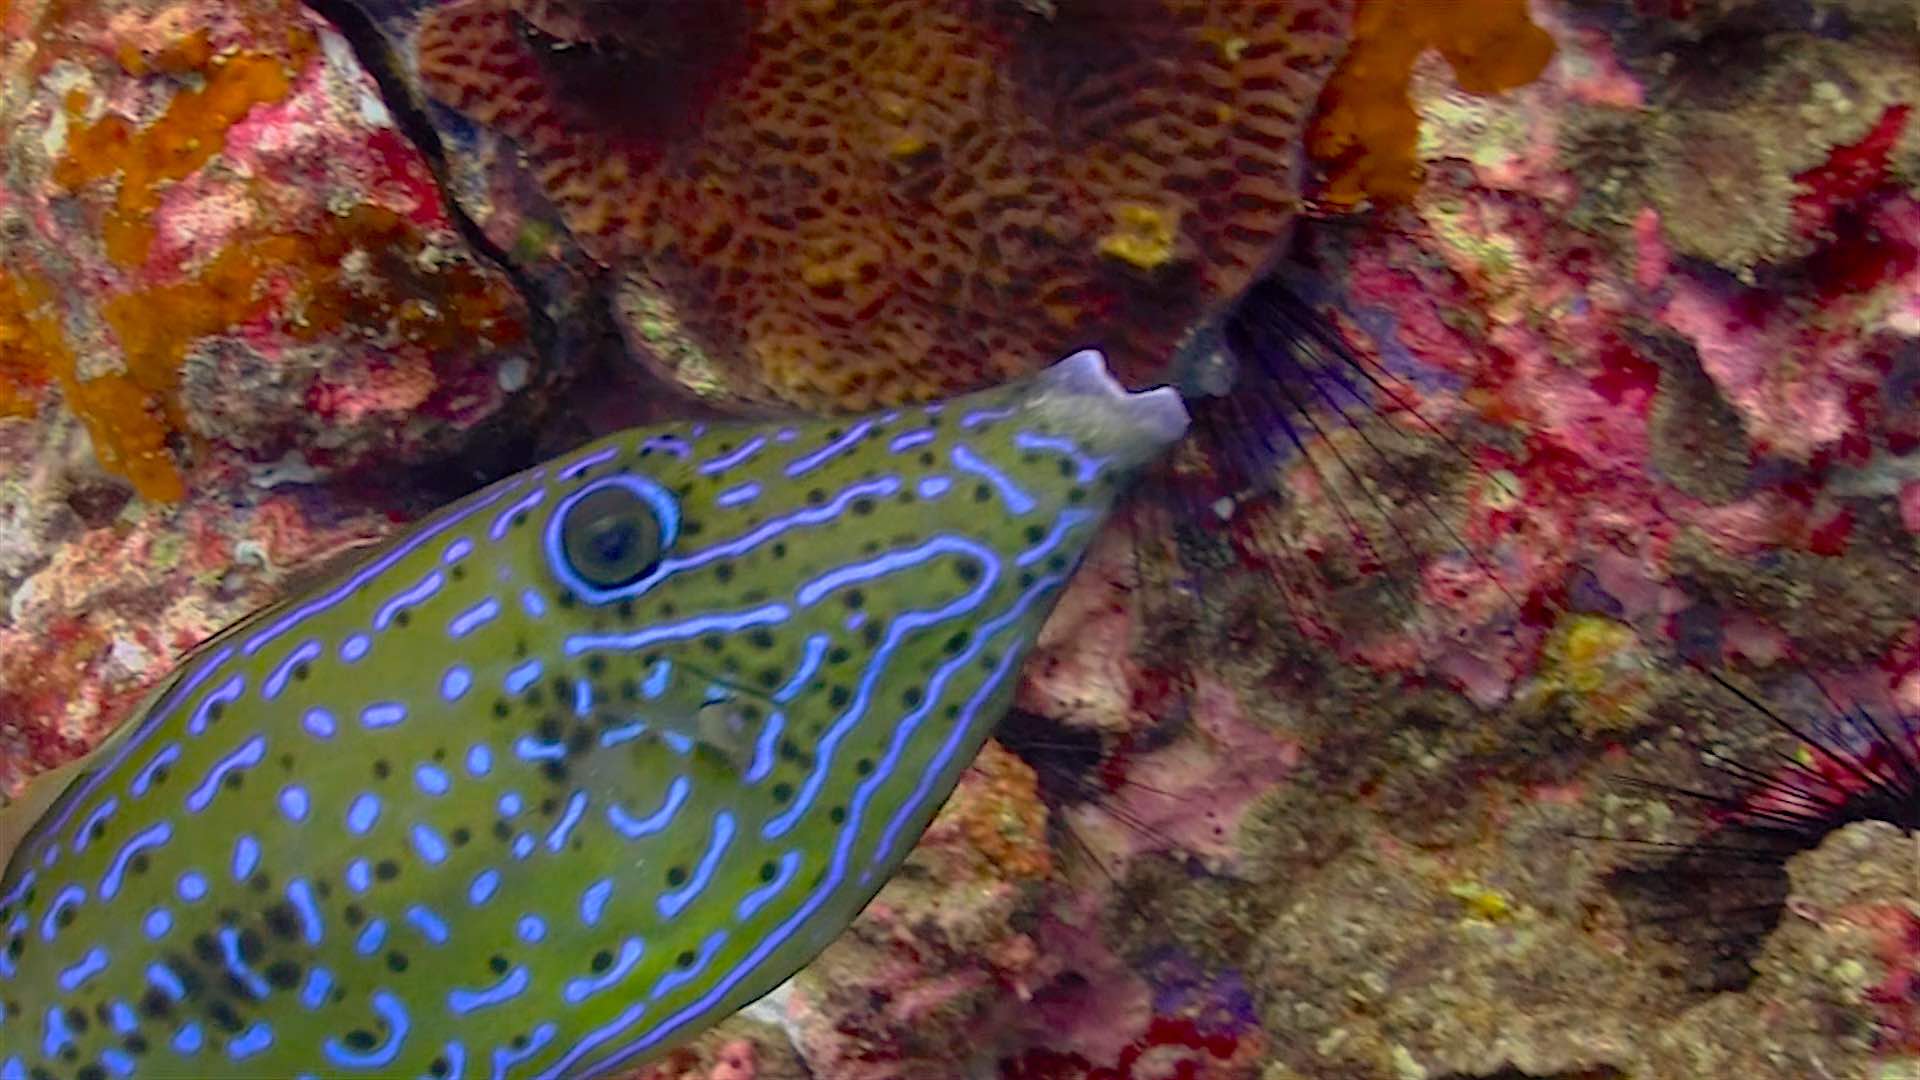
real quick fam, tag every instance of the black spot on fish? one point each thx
(381, 769)
(838, 655)
(837, 815)
(768, 871)
(602, 960)
(281, 921)
(854, 599)
(354, 915)
(782, 791)
(224, 1017)
(283, 974)
(723, 572)
(839, 696)
(981, 493)
(359, 1039)
(497, 964)
(863, 766)
(396, 962)
(461, 836)
(683, 961)
(861, 507)
(91, 1072)
(677, 876)
(912, 696)
(402, 618)
(501, 708)
(386, 870)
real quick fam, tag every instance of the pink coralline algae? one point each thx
(1643, 404)
(227, 276)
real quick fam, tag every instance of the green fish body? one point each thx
(571, 770)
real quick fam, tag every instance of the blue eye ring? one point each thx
(666, 517)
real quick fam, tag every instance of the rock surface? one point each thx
(1652, 327)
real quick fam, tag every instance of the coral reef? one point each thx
(226, 276)
(862, 203)
(206, 198)
(1651, 323)
(1366, 133)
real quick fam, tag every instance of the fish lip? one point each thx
(1158, 414)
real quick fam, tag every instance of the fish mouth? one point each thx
(1078, 394)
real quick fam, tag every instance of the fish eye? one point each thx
(607, 538)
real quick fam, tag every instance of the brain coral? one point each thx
(856, 202)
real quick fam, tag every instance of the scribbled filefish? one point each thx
(571, 770)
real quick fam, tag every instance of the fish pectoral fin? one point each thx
(724, 728)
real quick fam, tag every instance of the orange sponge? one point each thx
(1367, 132)
(872, 201)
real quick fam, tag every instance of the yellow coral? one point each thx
(129, 435)
(1599, 667)
(1481, 902)
(189, 133)
(1367, 132)
(1143, 236)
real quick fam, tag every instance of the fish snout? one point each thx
(1080, 399)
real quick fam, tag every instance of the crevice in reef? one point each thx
(1710, 920)
(375, 54)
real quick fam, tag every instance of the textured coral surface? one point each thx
(225, 277)
(201, 198)
(1367, 133)
(875, 201)
(1301, 807)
